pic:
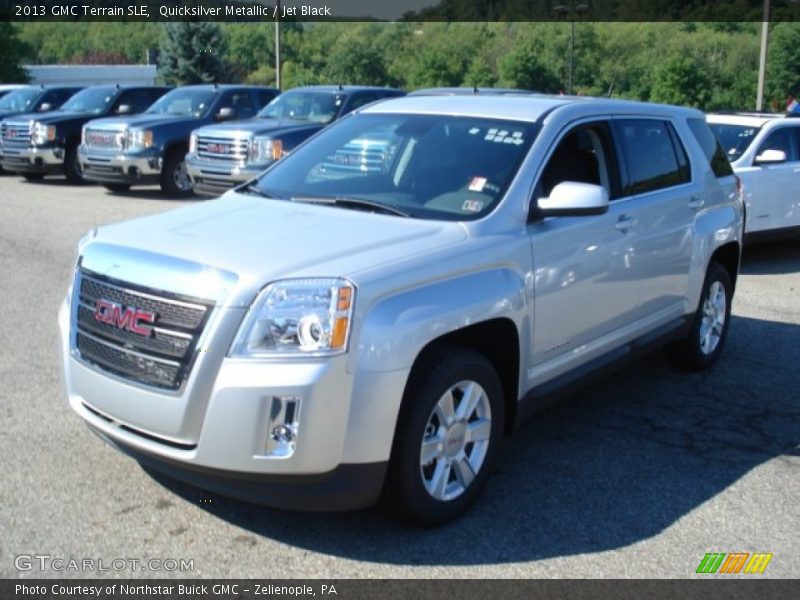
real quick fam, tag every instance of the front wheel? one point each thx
(447, 438)
(174, 178)
(703, 346)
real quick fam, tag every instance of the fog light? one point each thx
(283, 426)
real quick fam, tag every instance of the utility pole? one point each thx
(278, 44)
(762, 63)
(571, 12)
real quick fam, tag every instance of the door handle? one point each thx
(625, 223)
(696, 202)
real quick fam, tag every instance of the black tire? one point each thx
(691, 353)
(33, 176)
(117, 187)
(405, 488)
(173, 164)
(72, 166)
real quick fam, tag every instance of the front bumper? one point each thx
(212, 178)
(141, 168)
(33, 160)
(215, 432)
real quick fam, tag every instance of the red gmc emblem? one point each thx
(129, 318)
(11, 133)
(217, 148)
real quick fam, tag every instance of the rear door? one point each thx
(661, 202)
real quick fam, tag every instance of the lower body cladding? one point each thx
(212, 178)
(279, 433)
(124, 169)
(32, 161)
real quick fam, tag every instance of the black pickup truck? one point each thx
(222, 156)
(150, 148)
(37, 144)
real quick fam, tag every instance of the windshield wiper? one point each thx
(252, 188)
(356, 203)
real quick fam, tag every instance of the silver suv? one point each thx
(380, 307)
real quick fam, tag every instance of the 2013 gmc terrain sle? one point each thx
(376, 310)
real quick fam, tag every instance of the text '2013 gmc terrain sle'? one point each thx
(379, 307)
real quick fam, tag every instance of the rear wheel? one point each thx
(703, 346)
(174, 177)
(117, 187)
(447, 438)
(72, 166)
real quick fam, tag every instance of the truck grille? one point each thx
(220, 148)
(360, 156)
(159, 352)
(104, 138)
(16, 134)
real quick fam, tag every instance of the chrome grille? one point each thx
(163, 357)
(16, 134)
(104, 138)
(221, 148)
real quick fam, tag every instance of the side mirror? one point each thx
(573, 199)
(124, 109)
(45, 106)
(226, 114)
(770, 157)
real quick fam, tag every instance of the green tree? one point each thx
(12, 51)
(523, 68)
(679, 80)
(783, 69)
(193, 53)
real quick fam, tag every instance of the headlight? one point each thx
(193, 143)
(43, 134)
(138, 139)
(301, 317)
(83, 135)
(264, 150)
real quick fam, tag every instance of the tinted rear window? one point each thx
(712, 147)
(651, 157)
(734, 138)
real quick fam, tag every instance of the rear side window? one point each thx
(711, 146)
(653, 162)
(264, 97)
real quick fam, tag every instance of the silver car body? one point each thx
(574, 289)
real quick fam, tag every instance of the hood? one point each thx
(246, 241)
(54, 117)
(272, 127)
(148, 121)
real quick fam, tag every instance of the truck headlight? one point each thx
(264, 150)
(193, 143)
(42, 134)
(301, 317)
(138, 139)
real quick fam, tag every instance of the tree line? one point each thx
(709, 65)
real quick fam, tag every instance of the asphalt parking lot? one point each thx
(639, 476)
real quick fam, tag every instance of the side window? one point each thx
(138, 100)
(264, 97)
(241, 103)
(711, 146)
(652, 159)
(583, 155)
(781, 139)
(53, 98)
(361, 100)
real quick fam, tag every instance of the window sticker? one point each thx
(504, 137)
(474, 131)
(472, 206)
(477, 184)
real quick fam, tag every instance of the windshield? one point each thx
(734, 138)
(19, 100)
(315, 107)
(426, 166)
(184, 102)
(95, 101)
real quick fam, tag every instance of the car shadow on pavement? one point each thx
(774, 258)
(615, 465)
